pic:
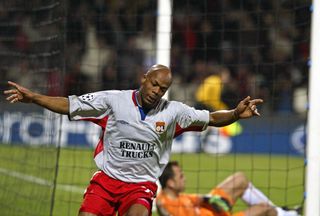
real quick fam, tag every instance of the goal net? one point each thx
(221, 51)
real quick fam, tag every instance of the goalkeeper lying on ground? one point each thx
(219, 202)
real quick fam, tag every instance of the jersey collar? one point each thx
(134, 98)
(143, 113)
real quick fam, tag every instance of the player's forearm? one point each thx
(223, 117)
(55, 104)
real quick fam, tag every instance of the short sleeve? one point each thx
(91, 105)
(188, 116)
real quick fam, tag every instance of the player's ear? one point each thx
(143, 78)
(170, 183)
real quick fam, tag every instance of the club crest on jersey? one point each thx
(160, 127)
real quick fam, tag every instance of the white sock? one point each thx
(281, 212)
(253, 196)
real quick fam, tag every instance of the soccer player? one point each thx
(219, 202)
(138, 128)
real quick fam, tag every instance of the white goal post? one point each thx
(313, 137)
(164, 33)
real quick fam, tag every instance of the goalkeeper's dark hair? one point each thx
(167, 173)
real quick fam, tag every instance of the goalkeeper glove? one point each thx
(218, 203)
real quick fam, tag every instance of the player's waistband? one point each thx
(111, 184)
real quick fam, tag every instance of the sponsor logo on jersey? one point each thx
(136, 150)
(160, 127)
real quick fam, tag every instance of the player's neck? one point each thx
(171, 193)
(140, 102)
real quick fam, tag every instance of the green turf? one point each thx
(27, 175)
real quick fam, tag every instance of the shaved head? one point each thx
(158, 68)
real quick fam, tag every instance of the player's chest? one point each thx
(148, 125)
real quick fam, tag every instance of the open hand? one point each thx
(248, 108)
(18, 93)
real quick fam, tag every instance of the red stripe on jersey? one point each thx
(99, 147)
(102, 123)
(180, 130)
(134, 98)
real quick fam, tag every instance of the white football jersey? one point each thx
(135, 146)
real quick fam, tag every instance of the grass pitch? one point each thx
(41, 181)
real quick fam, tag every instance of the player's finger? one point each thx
(13, 84)
(256, 101)
(246, 100)
(11, 91)
(255, 112)
(14, 100)
(12, 97)
(253, 107)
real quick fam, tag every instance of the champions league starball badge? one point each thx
(87, 97)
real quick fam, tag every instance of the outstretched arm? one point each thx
(22, 94)
(245, 109)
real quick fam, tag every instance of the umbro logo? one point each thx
(123, 122)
